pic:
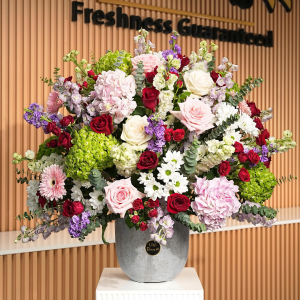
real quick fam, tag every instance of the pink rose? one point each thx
(119, 196)
(150, 61)
(195, 115)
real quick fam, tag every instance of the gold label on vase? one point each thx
(152, 248)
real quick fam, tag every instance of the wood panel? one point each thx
(246, 264)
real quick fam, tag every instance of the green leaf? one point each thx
(184, 95)
(128, 222)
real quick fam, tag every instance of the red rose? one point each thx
(239, 148)
(150, 97)
(56, 131)
(243, 157)
(85, 84)
(51, 126)
(179, 83)
(152, 204)
(214, 76)
(260, 140)
(224, 168)
(72, 208)
(267, 163)
(265, 133)
(143, 226)
(152, 213)
(178, 135)
(137, 204)
(131, 210)
(135, 219)
(253, 157)
(68, 79)
(65, 121)
(52, 144)
(168, 134)
(184, 61)
(244, 175)
(148, 160)
(95, 77)
(254, 110)
(102, 124)
(91, 73)
(65, 140)
(177, 203)
(259, 124)
(150, 76)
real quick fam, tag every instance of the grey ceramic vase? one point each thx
(143, 260)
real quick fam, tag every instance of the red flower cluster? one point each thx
(152, 204)
(148, 160)
(72, 208)
(64, 138)
(137, 204)
(255, 112)
(65, 121)
(261, 139)
(178, 203)
(92, 74)
(102, 124)
(224, 168)
(177, 135)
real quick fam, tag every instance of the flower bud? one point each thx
(203, 44)
(83, 61)
(77, 70)
(15, 155)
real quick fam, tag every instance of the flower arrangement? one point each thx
(154, 139)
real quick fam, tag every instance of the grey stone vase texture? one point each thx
(138, 265)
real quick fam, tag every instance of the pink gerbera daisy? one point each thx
(53, 103)
(52, 185)
(243, 106)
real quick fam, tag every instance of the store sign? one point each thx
(245, 4)
(184, 26)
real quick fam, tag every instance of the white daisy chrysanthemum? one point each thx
(97, 200)
(235, 136)
(154, 190)
(178, 184)
(76, 194)
(32, 198)
(146, 178)
(174, 158)
(166, 172)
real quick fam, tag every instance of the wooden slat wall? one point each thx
(245, 264)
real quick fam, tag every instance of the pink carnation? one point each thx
(243, 106)
(120, 194)
(52, 185)
(114, 92)
(53, 103)
(195, 115)
(150, 61)
(215, 201)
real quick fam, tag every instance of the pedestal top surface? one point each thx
(115, 280)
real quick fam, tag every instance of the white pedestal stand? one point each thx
(115, 285)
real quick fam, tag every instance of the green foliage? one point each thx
(217, 132)
(139, 77)
(261, 185)
(211, 64)
(129, 222)
(189, 159)
(96, 180)
(44, 150)
(263, 211)
(184, 219)
(90, 151)
(29, 176)
(183, 96)
(245, 89)
(114, 60)
(284, 179)
(50, 81)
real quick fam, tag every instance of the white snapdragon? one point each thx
(175, 63)
(193, 57)
(213, 146)
(159, 81)
(170, 82)
(165, 103)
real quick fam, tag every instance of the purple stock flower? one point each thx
(168, 52)
(78, 223)
(172, 69)
(155, 127)
(177, 49)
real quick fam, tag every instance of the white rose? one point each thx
(29, 154)
(198, 82)
(134, 132)
(208, 57)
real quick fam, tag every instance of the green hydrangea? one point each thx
(90, 151)
(261, 184)
(44, 150)
(114, 60)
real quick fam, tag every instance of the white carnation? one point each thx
(224, 111)
(246, 124)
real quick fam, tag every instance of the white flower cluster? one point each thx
(168, 173)
(213, 154)
(125, 159)
(165, 103)
(245, 122)
(46, 161)
(159, 81)
(95, 204)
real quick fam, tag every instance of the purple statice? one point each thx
(78, 223)
(34, 115)
(157, 129)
